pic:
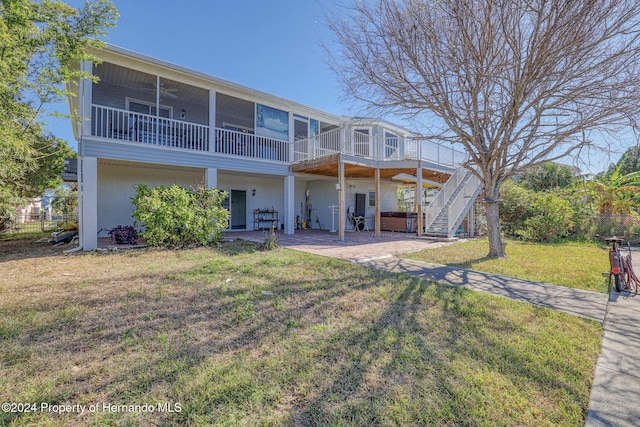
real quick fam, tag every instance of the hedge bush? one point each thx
(535, 216)
(175, 216)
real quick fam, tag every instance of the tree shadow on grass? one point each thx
(149, 335)
(227, 352)
(438, 391)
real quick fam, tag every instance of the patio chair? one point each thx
(359, 222)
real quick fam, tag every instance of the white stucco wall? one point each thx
(269, 193)
(324, 194)
(117, 185)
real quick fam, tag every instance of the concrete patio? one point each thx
(358, 246)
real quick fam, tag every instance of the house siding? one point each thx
(117, 186)
(323, 194)
(167, 156)
(269, 193)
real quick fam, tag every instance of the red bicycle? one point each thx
(621, 267)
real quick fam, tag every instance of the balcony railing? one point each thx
(124, 125)
(248, 145)
(321, 145)
(363, 145)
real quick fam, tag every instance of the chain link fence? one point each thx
(617, 225)
(604, 225)
(42, 215)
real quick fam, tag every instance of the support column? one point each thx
(85, 99)
(211, 177)
(89, 200)
(341, 201)
(420, 222)
(289, 204)
(377, 217)
(291, 145)
(212, 120)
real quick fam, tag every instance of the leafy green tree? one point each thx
(65, 201)
(614, 193)
(548, 176)
(41, 43)
(629, 162)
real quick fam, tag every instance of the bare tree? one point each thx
(515, 82)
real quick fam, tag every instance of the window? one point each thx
(314, 127)
(143, 107)
(372, 199)
(272, 123)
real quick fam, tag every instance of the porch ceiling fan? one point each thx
(165, 91)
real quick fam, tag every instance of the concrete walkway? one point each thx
(587, 304)
(616, 390)
(615, 393)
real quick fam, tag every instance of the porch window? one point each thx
(300, 127)
(143, 107)
(314, 127)
(272, 123)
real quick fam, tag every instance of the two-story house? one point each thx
(283, 164)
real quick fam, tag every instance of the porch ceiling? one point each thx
(328, 166)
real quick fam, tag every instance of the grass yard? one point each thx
(235, 336)
(574, 265)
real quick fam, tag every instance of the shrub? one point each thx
(124, 235)
(549, 220)
(516, 209)
(270, 240)
(535, 216)
(176, 216)
(583, 224)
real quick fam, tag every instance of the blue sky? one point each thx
(270, 45)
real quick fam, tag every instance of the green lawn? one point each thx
(236, 336)
(575, 265)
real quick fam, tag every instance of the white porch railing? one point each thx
(124, 125)
(440, 154)
(248, 145)
(452, 203)
(317, 146)
(359, 144)
(459, 205)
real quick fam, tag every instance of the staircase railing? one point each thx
(439, 202)
(461, 203)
